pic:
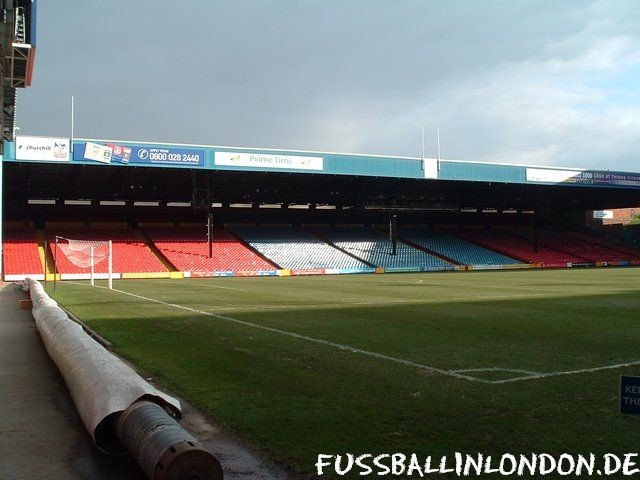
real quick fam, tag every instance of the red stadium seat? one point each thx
(187, 249)
(599, 249)
(21, 255)
(130, 253)
(517, 247)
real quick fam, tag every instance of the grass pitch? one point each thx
(491, 362)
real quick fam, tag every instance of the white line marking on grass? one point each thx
(569, 372)
(191, 282)
(274, 307)
(451, 373)
(497, 369)
(338, 346)
(349, 304)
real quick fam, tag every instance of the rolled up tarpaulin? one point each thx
(101, 385)
(162, 448)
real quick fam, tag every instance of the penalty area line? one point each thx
(538, 376)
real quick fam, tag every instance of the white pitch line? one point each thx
(191, 282)
(338, 346)
(348, 304)
(569, 372)
(452, 373)
(496, 369)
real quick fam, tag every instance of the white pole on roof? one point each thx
(110, 265)
(93, 281)
(438, 142)
(72, 121)
(422, 142)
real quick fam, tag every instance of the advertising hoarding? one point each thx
(49, 149)
(97, 152)
(261, 160)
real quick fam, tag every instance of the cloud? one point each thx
(528, 82)
(546, 112)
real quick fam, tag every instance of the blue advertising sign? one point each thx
(167, 156)
(356, 270)
(604, 178)
(616, 178)
(630, 395)
(117, 153)
(267, 273)
(219, 273)
(120, 153)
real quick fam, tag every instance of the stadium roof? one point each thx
(129, 154)
(95, 171)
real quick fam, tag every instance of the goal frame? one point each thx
(92, 265)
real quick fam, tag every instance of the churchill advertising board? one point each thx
(48, 149)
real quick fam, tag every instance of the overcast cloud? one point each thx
(538, 82)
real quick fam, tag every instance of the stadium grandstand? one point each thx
(279, 212)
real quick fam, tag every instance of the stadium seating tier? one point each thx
(516, 247)
(295, 249)
(453, 248)
(375, 248)
(188, 250)
(21, 256)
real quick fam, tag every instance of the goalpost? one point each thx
(85, 254)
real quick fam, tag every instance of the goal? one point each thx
(85, 254)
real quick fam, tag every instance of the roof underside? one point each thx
(23, 181)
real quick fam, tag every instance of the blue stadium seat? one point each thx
(454, 248)
(375, 248)
(295, 249)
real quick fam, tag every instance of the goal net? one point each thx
(87, 254)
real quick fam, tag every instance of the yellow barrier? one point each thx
(516, 266)
(146, 275)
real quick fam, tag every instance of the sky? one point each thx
(529, 82)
